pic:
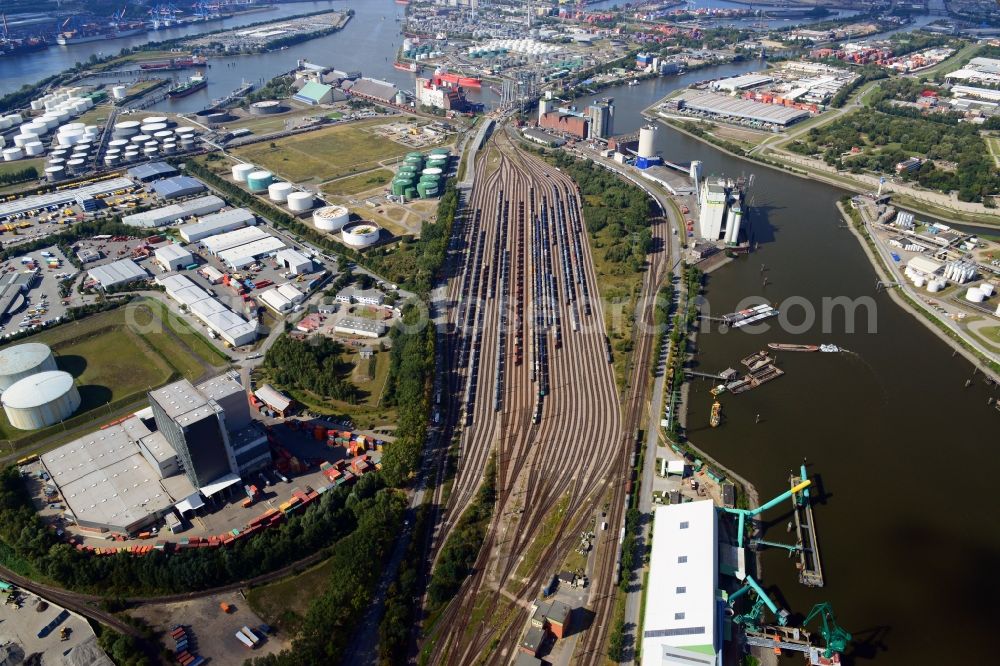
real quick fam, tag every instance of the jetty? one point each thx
(809, 565)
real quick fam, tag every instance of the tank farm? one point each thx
(531, 382)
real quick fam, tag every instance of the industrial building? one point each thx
(274, 399)
(314, 93)
(248, 253)
(293, 260)
(602, 116)
(544, 138)
(20, 361)
(151, 171)
(41, 399)
(362, 327)
(218, 223)
(13, 288)
(228, 325)
(726, 107)
(743, 82)
(365, 296)
(683, 613)
(432, 92)
(118, 272)
(282, 299)
(978, 70)
(178, 186)
(224, 241)
(64, 197)
(192, 442)
(372, 89)
(564, 122)
(173, 257)
(722, 210)
(175, 212)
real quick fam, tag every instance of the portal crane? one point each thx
(743, 514)
(751, 619)
(835, 636)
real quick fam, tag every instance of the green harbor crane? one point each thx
(835, 636)
(751, 619)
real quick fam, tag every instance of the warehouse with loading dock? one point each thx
(219, 223)
(173, 257)
(118, 272)
(225, 323)
(165, 215)
(178, 186)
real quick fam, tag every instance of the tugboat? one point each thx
(829, 348)
(196, 83)
(716, 418)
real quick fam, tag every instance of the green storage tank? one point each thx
(427, 190)
(399, 186)
(409, 168)
(430, 179)
(415, 161)
(415, 154)
(411, 193)
(441, 151)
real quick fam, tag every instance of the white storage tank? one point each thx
(34, 149)
(299, 202)
(15, 119)
(139, 139)
(20, 361)
(118, 92)
(975, 295)
(987, 288)
(77, 165)
(125, 129)
(360, 234)
(112, 160)
(331, 218)
(41, 400)
(117, 143)
(918, 281)
(646, 137)
(22, 139)
(152, 128)
(241, 171)
(55, 173)
(279, 191)
(11, 154)
(935, 286)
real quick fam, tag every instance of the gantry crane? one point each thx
(743, 514)
(751, 619)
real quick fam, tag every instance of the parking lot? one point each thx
(212, 631)
(42, 304)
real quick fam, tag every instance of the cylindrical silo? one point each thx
(41, 400)
(21, 140)
(241, 171)
(360, 234)
(77, 166)
(11, 154)
(118, 92)
(647, 136)
(34, 148)
(299, 202)
(55, 173)
(20, 361)
(279, 191)
(258, 181)
(399, 185)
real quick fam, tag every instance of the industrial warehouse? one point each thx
(725, 107)
(182, 449)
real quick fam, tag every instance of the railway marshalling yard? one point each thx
(530, 383)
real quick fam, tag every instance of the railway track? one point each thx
(530, 362)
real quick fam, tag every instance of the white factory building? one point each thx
(294, 261)
(721, 215)
(683, 613)
(173, 257)
(118, 272)
(218, 223)
(173, 213)
(242, 246)
(228, 325)
(282, 299)
(742, 82)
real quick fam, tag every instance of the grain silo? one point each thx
(20, 361)
(41, 400)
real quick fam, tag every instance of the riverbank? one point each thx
(911, 306)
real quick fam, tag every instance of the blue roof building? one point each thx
(314, 93)
(178, 186)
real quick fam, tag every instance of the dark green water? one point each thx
(902, 453)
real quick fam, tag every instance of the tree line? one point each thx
(314, 365)
(19, 176)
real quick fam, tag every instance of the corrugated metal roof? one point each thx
(118, 272)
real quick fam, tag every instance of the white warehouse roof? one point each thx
(159, 217)
(211, 225)
(249, 252)
(61, 197)
(923, 264)
(172, 252)
(682, 611)
(118, 272)
(295, 260)
(230, 326)
(273, 299)
(220, 242)
(291, 292)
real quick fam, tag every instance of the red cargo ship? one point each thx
(405, 66)
(175, 63)
(448, 78)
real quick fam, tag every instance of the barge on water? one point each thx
(750, 315)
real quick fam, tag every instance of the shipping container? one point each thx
(249, 634)
(244, 639)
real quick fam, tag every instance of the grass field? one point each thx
(991, 333)
(367, 413)
(118, 356)
(359, 183)
(17, 165)
(324, 154)
(284, 603)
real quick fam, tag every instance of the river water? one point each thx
(899, 447)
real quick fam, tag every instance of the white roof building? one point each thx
(224, 241)
(117, 272)
(294, 261)
(924, 265)
(210, 225)
(292, 293)
(273, 299)
(170, 214)
(228, 325)
(241, 255)
(173, 257)
(682, 609)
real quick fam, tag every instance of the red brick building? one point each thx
(564, 122)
